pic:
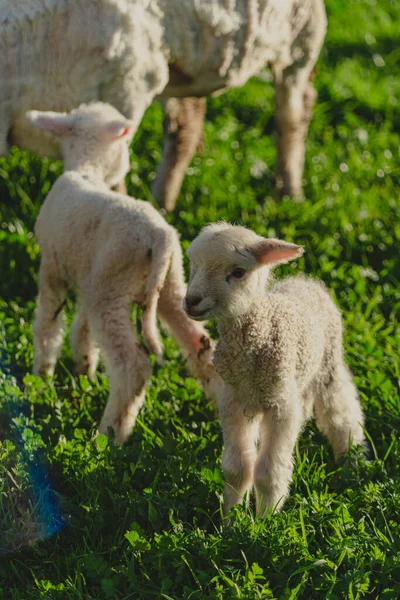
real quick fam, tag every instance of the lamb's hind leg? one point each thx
(48, 326)
(127, 365)
(85, 353)
(338, 411)
(183, 129)
(191, 336)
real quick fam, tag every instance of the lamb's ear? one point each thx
(116, 130)
(58, 124)
(270, 251)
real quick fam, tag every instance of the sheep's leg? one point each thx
(183, 129)
(295, 98)
(4, 146)
(48, 326)
(240, 453)
(5, 123)
(85, 353)
(274, 468)
(338, 412)
(127, 365)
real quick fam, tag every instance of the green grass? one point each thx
(82, 519)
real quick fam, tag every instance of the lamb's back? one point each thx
(85, 223)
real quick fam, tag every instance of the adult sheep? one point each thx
(57, 54)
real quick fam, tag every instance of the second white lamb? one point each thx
(113, 250)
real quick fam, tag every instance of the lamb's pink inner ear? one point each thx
(271, 251)
(115, 131)
(122, 133)
(55, 123)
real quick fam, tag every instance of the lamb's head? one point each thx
(94, 136)
(229, 269)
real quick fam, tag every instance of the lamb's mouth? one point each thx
(198, 316)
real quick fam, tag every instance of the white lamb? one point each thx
(113, 250)
(280, 351)
(55, 55)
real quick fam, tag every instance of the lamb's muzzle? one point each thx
(193, 308)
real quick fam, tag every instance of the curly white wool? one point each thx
(280, 352)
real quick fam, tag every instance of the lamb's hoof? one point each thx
(110, 430)
(45, 370)
(81, 369)
(118, 429)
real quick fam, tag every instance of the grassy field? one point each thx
(82, 520)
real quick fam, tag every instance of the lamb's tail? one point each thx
(160, 264)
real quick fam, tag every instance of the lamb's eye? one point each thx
(238, 273)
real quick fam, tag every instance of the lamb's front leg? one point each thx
(85, 353)
(48, 326)
(279, 431)
(240, 453)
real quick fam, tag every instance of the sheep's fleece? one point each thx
(280, 351)
(57, 54)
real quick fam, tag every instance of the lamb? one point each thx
(113, 250)
(280, 353)
(55, 55)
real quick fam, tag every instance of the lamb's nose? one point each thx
(192, 301)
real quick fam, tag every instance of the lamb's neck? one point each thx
(233, 326)
(85, 168)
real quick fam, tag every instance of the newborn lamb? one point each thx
(113, 250)
(280, 351)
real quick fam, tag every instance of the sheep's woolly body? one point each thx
(223, 42)
(280, 353)
(15, 12)
(113, 250)
(56, 55)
